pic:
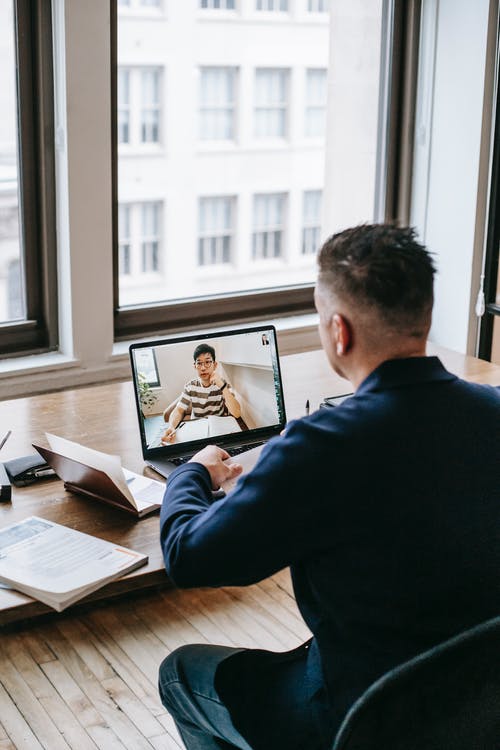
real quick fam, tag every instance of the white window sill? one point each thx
(53, 371)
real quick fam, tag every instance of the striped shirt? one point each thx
(203, 400)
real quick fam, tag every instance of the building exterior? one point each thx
(221, 124)
(11, 306)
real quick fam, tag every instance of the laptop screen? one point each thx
(223, 388)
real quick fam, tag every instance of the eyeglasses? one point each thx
(206, 363)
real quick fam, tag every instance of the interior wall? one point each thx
(447, 155)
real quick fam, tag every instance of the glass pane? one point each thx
(12, 305)
(230, 189)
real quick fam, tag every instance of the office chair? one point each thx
(447, 698)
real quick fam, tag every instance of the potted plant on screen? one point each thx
(147, 396)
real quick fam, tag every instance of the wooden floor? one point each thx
(89, 679)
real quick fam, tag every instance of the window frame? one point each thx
(36, 159)
(492, 254)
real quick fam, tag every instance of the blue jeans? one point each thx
(222, 697)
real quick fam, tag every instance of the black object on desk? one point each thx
(28, 469)
(5, 488)
(331, 401)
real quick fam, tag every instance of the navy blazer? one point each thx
(387, 509)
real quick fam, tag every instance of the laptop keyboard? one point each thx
(232, 452)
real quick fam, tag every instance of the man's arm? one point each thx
(231, 401)
(269, 521)
(175, 418)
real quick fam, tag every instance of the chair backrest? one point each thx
(447, 698)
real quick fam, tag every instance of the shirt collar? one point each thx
(394, 373)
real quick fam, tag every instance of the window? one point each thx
(218, 4)
(271, 90)
(28, 308)
(268, 218)
(150, 110)
(147, 366)
(273, 5)
(139, 239)
(123, 106)
(229, 139)
(216, 229)
(217, 103)
(125, 240)
(318, 6)
(150, 242)
(138, 105)
(311, 221)
(315, 121)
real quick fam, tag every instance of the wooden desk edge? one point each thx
(33, 609)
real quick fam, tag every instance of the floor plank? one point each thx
(89, 680)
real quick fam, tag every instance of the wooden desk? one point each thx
(103, 417)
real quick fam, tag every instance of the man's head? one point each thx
(204, 362)
(374, 292)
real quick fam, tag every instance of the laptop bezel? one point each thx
(177, 450)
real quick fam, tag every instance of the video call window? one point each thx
(168, 374)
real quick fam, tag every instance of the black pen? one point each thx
(307, 408)
(4, 440)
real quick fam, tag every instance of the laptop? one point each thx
(221, 388)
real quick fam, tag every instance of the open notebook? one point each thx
(100, 476)
(226, 387)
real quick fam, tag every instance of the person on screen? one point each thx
(207, 394)
(385, 507)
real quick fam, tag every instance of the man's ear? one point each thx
(342, 334)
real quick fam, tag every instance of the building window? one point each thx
(217, 104)
(227, 134)
(150, 110)
(315, 113)
(216, 230)
(150, 241)
(218, 4)
(318, 6)
(125, 240)
(271, 93)
(311, 221)
(138, 105)
(14, 291)
(123, 106)
(280, 6)
(268, 229)
(139, 238)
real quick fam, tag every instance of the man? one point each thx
(205, 395)
(387, 509)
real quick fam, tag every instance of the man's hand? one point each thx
(215, 378)
(168, 436)
(214, 459)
